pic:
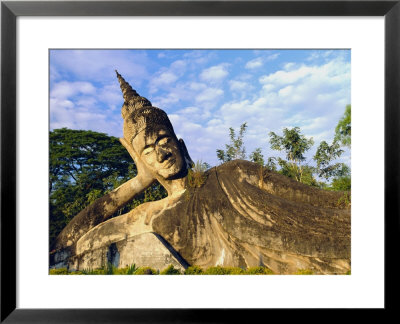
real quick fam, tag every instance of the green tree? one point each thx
(234, 150)
(257, 157)
(324, 155)
(342, 179)
(271, 163)
(343, 128)
(294, 144)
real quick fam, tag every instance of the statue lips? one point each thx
(169, 162)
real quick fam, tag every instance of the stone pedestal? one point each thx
(144, 250)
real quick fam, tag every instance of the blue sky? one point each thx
(205, 92)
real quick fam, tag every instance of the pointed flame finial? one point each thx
(132, 100)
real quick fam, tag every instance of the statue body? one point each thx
(238, 217)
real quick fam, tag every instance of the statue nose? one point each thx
(162, 155)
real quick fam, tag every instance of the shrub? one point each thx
(344, 200)
(97, 272)
(131, 269)
(236, 271)
(194, 270)
(304, 272)
(196, 176)
(170, 270)
(59, 271)
(120, 271)
(218, 270)
(259, 271)
(145, 271)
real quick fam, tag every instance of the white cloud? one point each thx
(214, 73)
(286, 91)
(289, 65)
(166, 78)
(235, 85)
(189, 111)
(111, 95)
(209, 94)
(255, 63)
(260, 61)
(164, 101)
(197, 86)
(272, 57)
(268, 87)
(179, 65)
(287, 77)
(65, 113)
(65, 89)
(80, 105)
(99, 65)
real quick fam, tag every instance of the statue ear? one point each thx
(186, 155)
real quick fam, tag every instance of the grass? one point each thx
(304, 272)
(171, 270)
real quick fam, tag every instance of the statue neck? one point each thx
(174, 187)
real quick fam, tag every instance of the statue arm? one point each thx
(100, 210)
(104, 207)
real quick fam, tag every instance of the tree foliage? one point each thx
(294, 144)
(343, 128)
(257, 157)
(234, 150)
(324, 155)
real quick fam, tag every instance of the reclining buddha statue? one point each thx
(238, 216)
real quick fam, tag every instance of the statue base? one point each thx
(144, 250)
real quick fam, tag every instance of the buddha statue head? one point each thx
(150, 134)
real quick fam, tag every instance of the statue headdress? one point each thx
(138, 112)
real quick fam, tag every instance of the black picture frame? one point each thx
(10, 10)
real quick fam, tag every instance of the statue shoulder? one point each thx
(238, 165)
(239, 170)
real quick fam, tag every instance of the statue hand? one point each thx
(144, 175)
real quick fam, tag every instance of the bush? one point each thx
(145, 271)
(304, 272)
(94, 272)
(218, 270)
(131, 269)
(194, 270)
(59, 271)
(236, 271)
(259, 271)
(76, 273)
(196, 175)
(170, 270)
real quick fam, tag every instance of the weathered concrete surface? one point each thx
(146, 249)
(234, 221)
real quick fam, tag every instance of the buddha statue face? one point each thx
(161, 152)
(148, 131)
